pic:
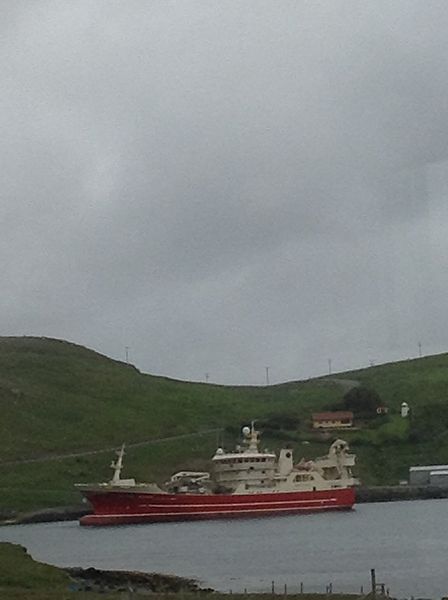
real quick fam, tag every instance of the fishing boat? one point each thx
(246, 482)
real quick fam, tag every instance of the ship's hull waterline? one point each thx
(120, 507)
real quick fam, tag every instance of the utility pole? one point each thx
(267, 375)
(329, 366)
(373, 582)
(127, 354)
(420, 349)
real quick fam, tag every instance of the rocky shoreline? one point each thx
(363, 494)
(46, 515)
(99, 580)
(395, 493)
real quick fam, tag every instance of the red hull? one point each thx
(127, 507)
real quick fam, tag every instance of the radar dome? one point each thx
(219, 451)
(246, 431)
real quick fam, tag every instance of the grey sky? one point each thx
(223, 186)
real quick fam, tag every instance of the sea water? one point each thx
(405, 542)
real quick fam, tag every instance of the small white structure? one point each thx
(404, 409)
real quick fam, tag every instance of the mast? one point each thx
(117, 465)
(253, 438)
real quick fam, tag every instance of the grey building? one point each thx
(439, 478)
(429, 475)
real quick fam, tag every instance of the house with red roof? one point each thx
(341, 419)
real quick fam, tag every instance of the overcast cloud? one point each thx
(224, 186)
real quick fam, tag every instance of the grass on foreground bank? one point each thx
(57, 397)
(50, 594)
(22, 578)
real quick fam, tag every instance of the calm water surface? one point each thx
(406, 542)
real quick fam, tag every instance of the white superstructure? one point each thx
(249, 469)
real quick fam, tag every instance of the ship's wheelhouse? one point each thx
(252, 468)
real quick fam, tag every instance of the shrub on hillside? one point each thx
(362, 401)
(279, 421)
(391, 431)
(428, 423)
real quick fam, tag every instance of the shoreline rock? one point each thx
(395, 493)
(100, 580)
(47, 515)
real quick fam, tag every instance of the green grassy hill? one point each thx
(58, 398)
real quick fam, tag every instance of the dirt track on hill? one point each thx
(52, 457)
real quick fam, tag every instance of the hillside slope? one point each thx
(58, 398)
